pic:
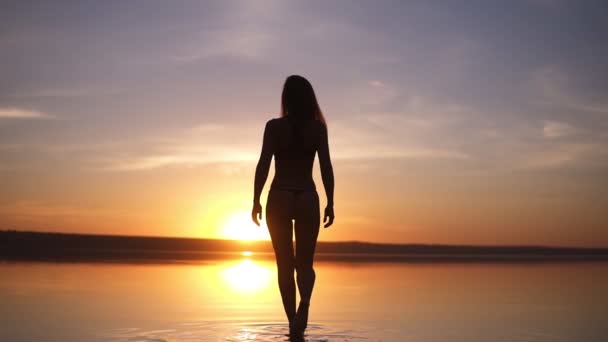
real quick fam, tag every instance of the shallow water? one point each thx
(238, 300)
(234, 331)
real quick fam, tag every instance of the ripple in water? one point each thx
(232, 332)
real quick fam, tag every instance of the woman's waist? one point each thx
(293, 184)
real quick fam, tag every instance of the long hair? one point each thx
(298, 101)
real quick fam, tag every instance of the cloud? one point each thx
(244, 44)
(203, 144)
(422, 129)
(10, 147)
(565, 155)
(67, 92)
(555, 88)
(18, 113)
(555, 129)
(400, 152)
(45, 213)
(209, 128)
(377, 136)
(191, 157)
(182, 159)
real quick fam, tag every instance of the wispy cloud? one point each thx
(227, 156)
(204, 144)
(66, 92)
(565, 155)
(421, 130)
(44, 213)
(400, 152)
(555, 129)
(553, 83)
(10, 147)
(226, 43)
(19, 113)
(182, 159)
(378, 136)
(376, 83)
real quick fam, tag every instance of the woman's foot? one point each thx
(295, 335)
(300, 321)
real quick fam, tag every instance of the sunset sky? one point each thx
(468, 122)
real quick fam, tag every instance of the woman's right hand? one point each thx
(256, 213)
(328, 218)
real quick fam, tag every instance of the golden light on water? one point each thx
(239, 226)
(247, 276)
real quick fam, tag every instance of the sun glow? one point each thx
(247, 276)
(240, 227)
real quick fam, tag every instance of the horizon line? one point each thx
(429, 244)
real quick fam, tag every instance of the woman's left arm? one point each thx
(261, 174)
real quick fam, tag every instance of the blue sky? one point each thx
(466, 121)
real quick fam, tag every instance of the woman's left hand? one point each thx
(256, 213)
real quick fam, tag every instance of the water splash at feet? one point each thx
(233, 332)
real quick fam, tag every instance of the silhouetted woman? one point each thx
(293, 139)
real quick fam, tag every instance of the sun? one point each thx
(239, 226)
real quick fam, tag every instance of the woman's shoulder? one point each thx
(275, 121)
(284, 122)
(272, 123)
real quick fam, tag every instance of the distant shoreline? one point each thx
(41, 246)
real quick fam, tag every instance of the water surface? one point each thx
(238, 300)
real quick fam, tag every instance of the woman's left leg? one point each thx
(279, 211)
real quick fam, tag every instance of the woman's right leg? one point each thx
(307, 230)
(279, 209)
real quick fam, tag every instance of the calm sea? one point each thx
(238, 300)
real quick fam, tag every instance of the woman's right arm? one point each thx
(327, 175)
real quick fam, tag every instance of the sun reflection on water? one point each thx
(247, 276)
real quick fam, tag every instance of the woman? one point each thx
(293, 139)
